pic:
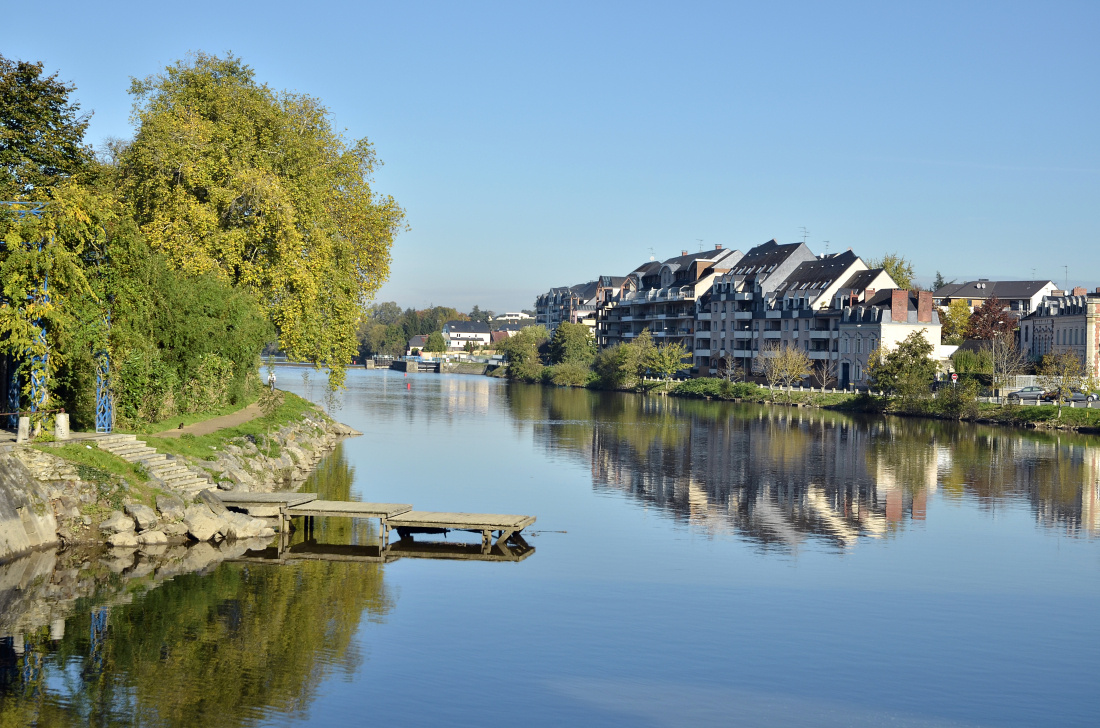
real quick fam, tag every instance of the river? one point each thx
(695, 563)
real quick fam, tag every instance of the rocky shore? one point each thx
(45, 499)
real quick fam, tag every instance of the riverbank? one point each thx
(141, 493)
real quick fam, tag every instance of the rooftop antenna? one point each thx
(1066, 289)
(805, 233)
(651, 254)
(826, 247)
(700, 241)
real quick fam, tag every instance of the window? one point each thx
(859, 346)
(786, 325)
(796, 325)
(845, 345)
(859, 371)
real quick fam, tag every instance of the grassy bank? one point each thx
(290, 409)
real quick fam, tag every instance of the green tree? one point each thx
(955, 321)
(522, 353)
(41, 131)
(897, 267)
(480, 316)
(225, 175)
(667, 359)
(784, 366)
(573, 344)
(939, 282)
(907, 370)
(435, 343)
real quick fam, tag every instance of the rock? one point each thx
(201, 523)
(123, 539)
(213, 503)
(174, 529)
(240, 477)
(227, 485)
(153, 549)
(266, 532)
(152, 537)
(144, 516)
(117, 522)
(171, 507)
(86, 520)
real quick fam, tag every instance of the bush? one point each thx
(959, 401)
(716, 388)
(569, 374)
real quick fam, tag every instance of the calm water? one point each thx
(695, 563)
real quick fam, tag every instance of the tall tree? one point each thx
(939, 282)
(955, 321)
(897, 267)
(1061, 373)
(667, 359)
(41, 131)
(572, 344)
(227, 175)
(989, 320)
(906, 370)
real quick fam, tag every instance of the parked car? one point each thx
(1027, 393)
(1075, 395)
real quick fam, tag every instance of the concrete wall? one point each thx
(26, 517)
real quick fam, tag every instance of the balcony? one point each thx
(742, 315)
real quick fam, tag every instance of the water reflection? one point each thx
(778, 475)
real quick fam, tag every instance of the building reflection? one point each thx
(779, 476)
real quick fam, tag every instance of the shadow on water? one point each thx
(777, 476)
(185, 637)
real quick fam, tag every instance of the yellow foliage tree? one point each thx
(227, 175)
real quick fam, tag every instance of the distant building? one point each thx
(458, 333)
(579, 304)
(418, 343)
(1065, 323)
(1019, 297)
(513, 318)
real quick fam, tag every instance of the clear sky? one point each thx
(537, 145)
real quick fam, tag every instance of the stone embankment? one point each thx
(45, 499)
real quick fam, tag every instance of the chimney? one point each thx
(717, 246)
(899, 305)
(1079, 291)
(868, 294)
(683, 252)
(924, 307)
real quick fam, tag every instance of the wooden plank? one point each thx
(240, 498)
(460, 521)
(408, 548)
(349, 509)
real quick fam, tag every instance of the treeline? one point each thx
(386, 329)
(236, 216)
(570, 358)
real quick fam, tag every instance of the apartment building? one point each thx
(1065, 323)
(580, 303)
(662, 297)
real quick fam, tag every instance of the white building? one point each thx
(458, 333)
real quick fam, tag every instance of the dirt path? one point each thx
(213, 424)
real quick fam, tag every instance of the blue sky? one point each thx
(541, 145)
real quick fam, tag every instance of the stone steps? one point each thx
(168, 472)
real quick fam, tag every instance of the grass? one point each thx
(204, 447)
(114, 477)
(188, 419)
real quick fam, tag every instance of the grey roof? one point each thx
(862, 279)
(872, 310)
(987, 289)
(418, 341)
(818, 274)
(511, 327)
(585, 291)
(764, 256)
(466, 327)
(612, 281)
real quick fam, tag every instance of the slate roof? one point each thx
(418, 341)
(762, 257)
(862, 279)
(466, 327)
(1004, 290)
(817, 274)
(873, 310)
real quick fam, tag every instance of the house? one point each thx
(458, 333)
(513, 318)
(418, 343)
(884, 320)
(509, 330)
(579, 304)
(1019, 297)
(661, 297)
(1065, 323)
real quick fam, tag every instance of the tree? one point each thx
(989, 320)
(468, 347)
(41, 131)
(522, 353)
(939, 282)
(897, 267)
(1061, 373)
(906, 370)
(667, 359)
(826, 371)
(572, 344)
(435, 343)
(227, 176)
(955, 321)
(784, 366)
(729, 368)
(480, 316)
(385, 313)
(1007, 358)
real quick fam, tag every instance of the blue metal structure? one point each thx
(39, 363)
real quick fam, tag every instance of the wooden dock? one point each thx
(399, 516)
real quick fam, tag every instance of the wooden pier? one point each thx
(391, 516)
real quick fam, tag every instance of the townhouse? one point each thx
(1065, 323)
(1019, 297)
